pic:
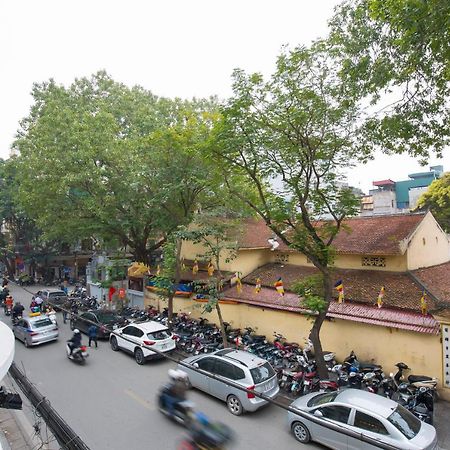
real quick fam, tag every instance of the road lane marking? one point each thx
(139, 399)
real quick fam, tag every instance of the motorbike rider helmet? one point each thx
(353, 369)
(175, 374)
(76, 331)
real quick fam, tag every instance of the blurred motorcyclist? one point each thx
(205, 434)
(75, 341)
(176, 390)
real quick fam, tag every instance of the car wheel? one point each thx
(139, 356)
(25, 342)
(234, 405)
(300, 432)
(114, 346)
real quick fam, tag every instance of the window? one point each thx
(42, 323)
(321, 399)
(206, 364)
(106, 318)
(369, 423)
(22, 323)
(373, 261)
(159, 335)
(262, 373)
(128, 331)
(337, 413)
(405, 422)
(138, 333)
(281, 257)
(224, 369)
(88, 316)
(239, 374)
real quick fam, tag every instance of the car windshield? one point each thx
(107, 318)
(408, 424)
(262, 373)
(320, 399)
(158, 335)
(42, 323)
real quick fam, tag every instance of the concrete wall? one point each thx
(387, 346)
(429, 245)
(246, 261)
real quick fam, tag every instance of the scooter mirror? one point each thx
(318, 413)
(195, 365)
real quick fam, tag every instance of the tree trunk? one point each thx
(222, 326)
(314, 334)
(140, 252)
(9, 267)
(177, 280)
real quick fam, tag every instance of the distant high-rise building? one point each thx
(396, 197)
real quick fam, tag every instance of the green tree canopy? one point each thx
(397, 52)
(289, 139)
(437, 200)
(101, 159)
(19, 234)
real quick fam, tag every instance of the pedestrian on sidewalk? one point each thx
(92, 333)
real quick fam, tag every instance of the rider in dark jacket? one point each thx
(75, 341)
(17, 310)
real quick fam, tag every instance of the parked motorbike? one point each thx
(79, 354)
(416, 380)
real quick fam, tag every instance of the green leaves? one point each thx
(437, 199)
(115, 162)
(397, 54)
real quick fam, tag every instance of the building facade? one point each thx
(398, 197)
(406, 254)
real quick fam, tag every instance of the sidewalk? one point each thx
(11, 435)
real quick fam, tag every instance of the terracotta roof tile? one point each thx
(255, 234)
(388, 317)
(361, 286)
(437, 280)
(379, 235)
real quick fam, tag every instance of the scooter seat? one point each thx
(416, 378)
(369, 366)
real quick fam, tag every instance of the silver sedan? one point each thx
(367, 418)
(35, 330)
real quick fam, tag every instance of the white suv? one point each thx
(142, 335)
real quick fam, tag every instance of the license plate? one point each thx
(284, 378)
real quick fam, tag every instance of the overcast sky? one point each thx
(182, 48)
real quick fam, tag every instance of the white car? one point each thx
(141, 335)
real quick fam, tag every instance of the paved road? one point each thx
(110, 402)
